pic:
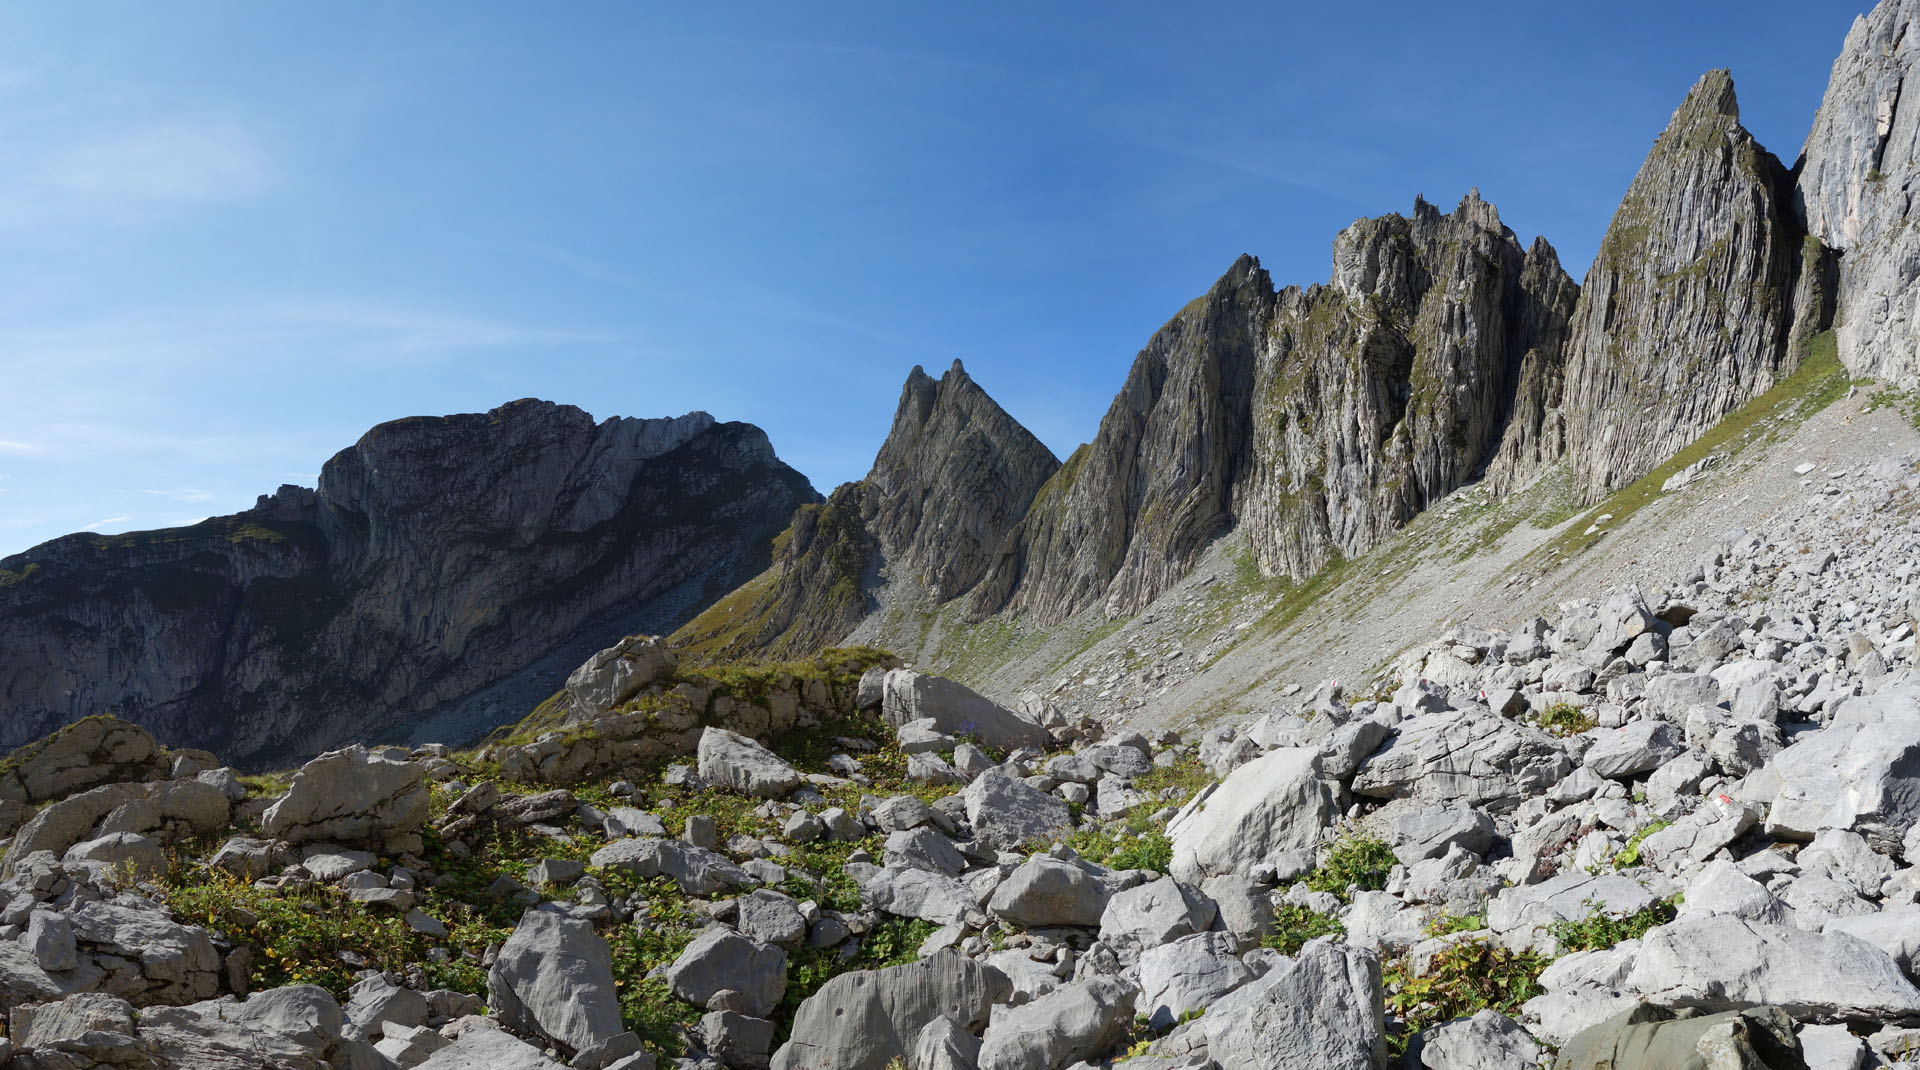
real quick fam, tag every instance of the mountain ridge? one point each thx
(438, 557)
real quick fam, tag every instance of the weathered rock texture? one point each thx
(1128, 514)
(1686, 312)
(1319, 421)
(1393, 386)
(954, 476)
(1858, 173)
(443, 563)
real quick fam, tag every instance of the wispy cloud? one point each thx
(175, 160)
(19, 449)
(415, 331)
(98, 524)
(182, 494)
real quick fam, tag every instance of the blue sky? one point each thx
(234, 236)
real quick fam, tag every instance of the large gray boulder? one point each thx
(1719, 888)
(1632, 749)
(866, 1019)
(554, 978)
(351, 796)
(924, 848)
(481, 1048)
(1188, 975)
(1567, 897)
(943, 1045)
(1430, 831)
(1006, 813)
(721, 959)
(294, 1028)
(374, 1003)
(956, 710)
(83, 755)
(1471, 756)
(771, 918)
(618, 673)
(1893, 929)
(914, 893)
(1150, 914)
(118, 855)
(117, 808)
(1323, 1010)
(1657, 1038)
(1277, 802)
(1488, 1040)
(1860, 773)
(1690, 841)
(697, 870)
(1046, 891)
(733, 761)
(1726, 963)
(175, 963)
(1068, 1025)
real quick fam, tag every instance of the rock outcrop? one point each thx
(1393, 386)
(953, 478)
(1127, 515)
(1858, 173)
(955, 475)
(445, 568)
(1687, 310)
(1320, 421)
(1317, 420)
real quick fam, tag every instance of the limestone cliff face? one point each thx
(438, 558)
(955, 475)
(1125, 518)
(1687, 310)
(953, 478)
(1394, 385)
(1319, 421)
(1859, 173)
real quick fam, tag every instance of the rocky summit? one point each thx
(994, 761)
(1313, 424)
(444, 571)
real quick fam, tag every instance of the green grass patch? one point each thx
(1599, 929)
(1470, 976)
(1361, 863)
(1294, 925)
(1629, 855)
(316, 935)
(1565, 719)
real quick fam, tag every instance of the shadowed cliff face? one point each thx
(1321, 420)
(1127, 514)
(439, 557)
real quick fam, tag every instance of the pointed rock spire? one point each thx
(1686, 312)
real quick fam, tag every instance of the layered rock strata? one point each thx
(1686, 313)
